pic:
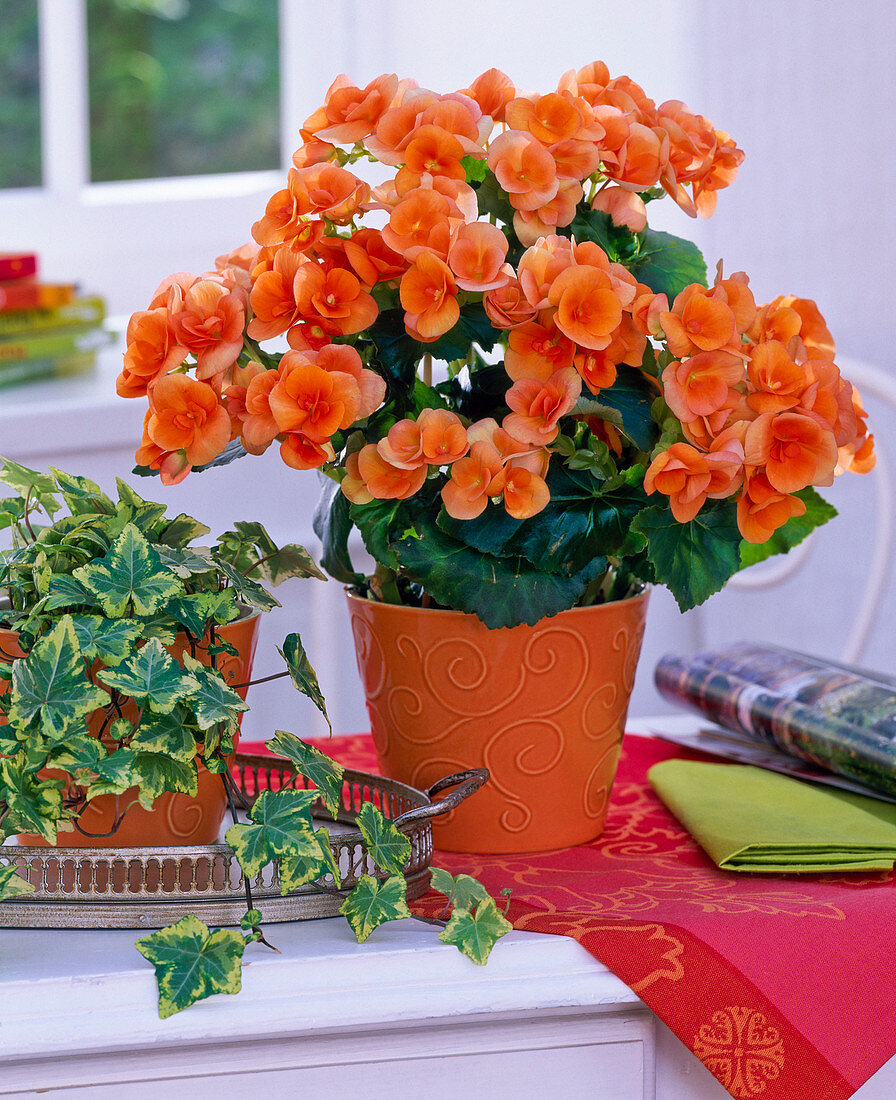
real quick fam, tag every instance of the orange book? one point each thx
(25, 294)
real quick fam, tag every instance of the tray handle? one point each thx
(465, 782)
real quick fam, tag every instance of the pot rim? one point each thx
(398, 608)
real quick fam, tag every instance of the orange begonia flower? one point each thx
(525, 493)
(529, 225)
(428, 293)
(372, 259)
(762, 509)
(328, 191)
(345, 359)
(403, 445)
(688, 476)
(210, 327)
(538, 406)
(424, 214)
(273, 299)
(397, 125)
(524, 168)
(259, 427)
(813, 330)
(796, 450)
(701, 385)
(281, 220)
(829, 396)
(857, 455)
(335, 298)
(597, 368)
(314, 401)
(352, 113)
(624, 207)
(436, 151)
(553, 118)
(187, 416)
(507, 306)
(588, 309)
(151, 351)
(443, 438)
(352, 485)
(778, 382)
(302, 453)
(537, 349)
(492, 90)
(574, 159)
(699, 322)
(474, 479)
(540, 265)
(477, 257)
(385, 481)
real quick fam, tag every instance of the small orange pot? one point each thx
(175, 819)
(542, 707)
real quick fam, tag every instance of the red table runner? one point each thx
(782, 985)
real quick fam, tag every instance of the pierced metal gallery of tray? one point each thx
(153, 887)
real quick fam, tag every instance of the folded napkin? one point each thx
(749, 819)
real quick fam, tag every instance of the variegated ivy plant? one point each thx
(95, 596)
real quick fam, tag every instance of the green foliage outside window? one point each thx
(182, 87)
(20, 164)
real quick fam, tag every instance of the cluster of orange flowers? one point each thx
(757, 393)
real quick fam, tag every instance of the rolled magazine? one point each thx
(778, 707)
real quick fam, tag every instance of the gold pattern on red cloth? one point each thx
(741, 1049)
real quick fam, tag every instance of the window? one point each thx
(182, 87)
(20, 97)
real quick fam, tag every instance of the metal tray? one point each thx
(152, 887)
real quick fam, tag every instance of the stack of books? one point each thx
(47, 330)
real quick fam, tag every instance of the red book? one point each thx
(17, 265)
(33, 295)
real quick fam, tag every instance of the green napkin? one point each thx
(749, 819)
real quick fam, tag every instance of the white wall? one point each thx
(806, 88)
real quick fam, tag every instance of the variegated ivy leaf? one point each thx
(192, 962)
(196, 610)
(300, 868)
(77, 752)
(316, 766)
(130, 579)
(211, 700)
(462, 891)
(152, 677)
(12, 885)
(50, 688)
(247, 590)
(64, 591)
(184, 563)
(280, 826)
(302, 674)
(39, 488)
(132, 508)
(181, 531)
(389, 847)
(114, 774)
(81, 494)
(250, 549)
(107, 640)
(474, 934)
(34, 805)
(153, 773)
(166, 734)
(372, 903)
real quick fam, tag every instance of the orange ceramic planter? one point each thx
(542, 707)
(175, 819)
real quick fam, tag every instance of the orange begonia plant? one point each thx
(606, 417)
